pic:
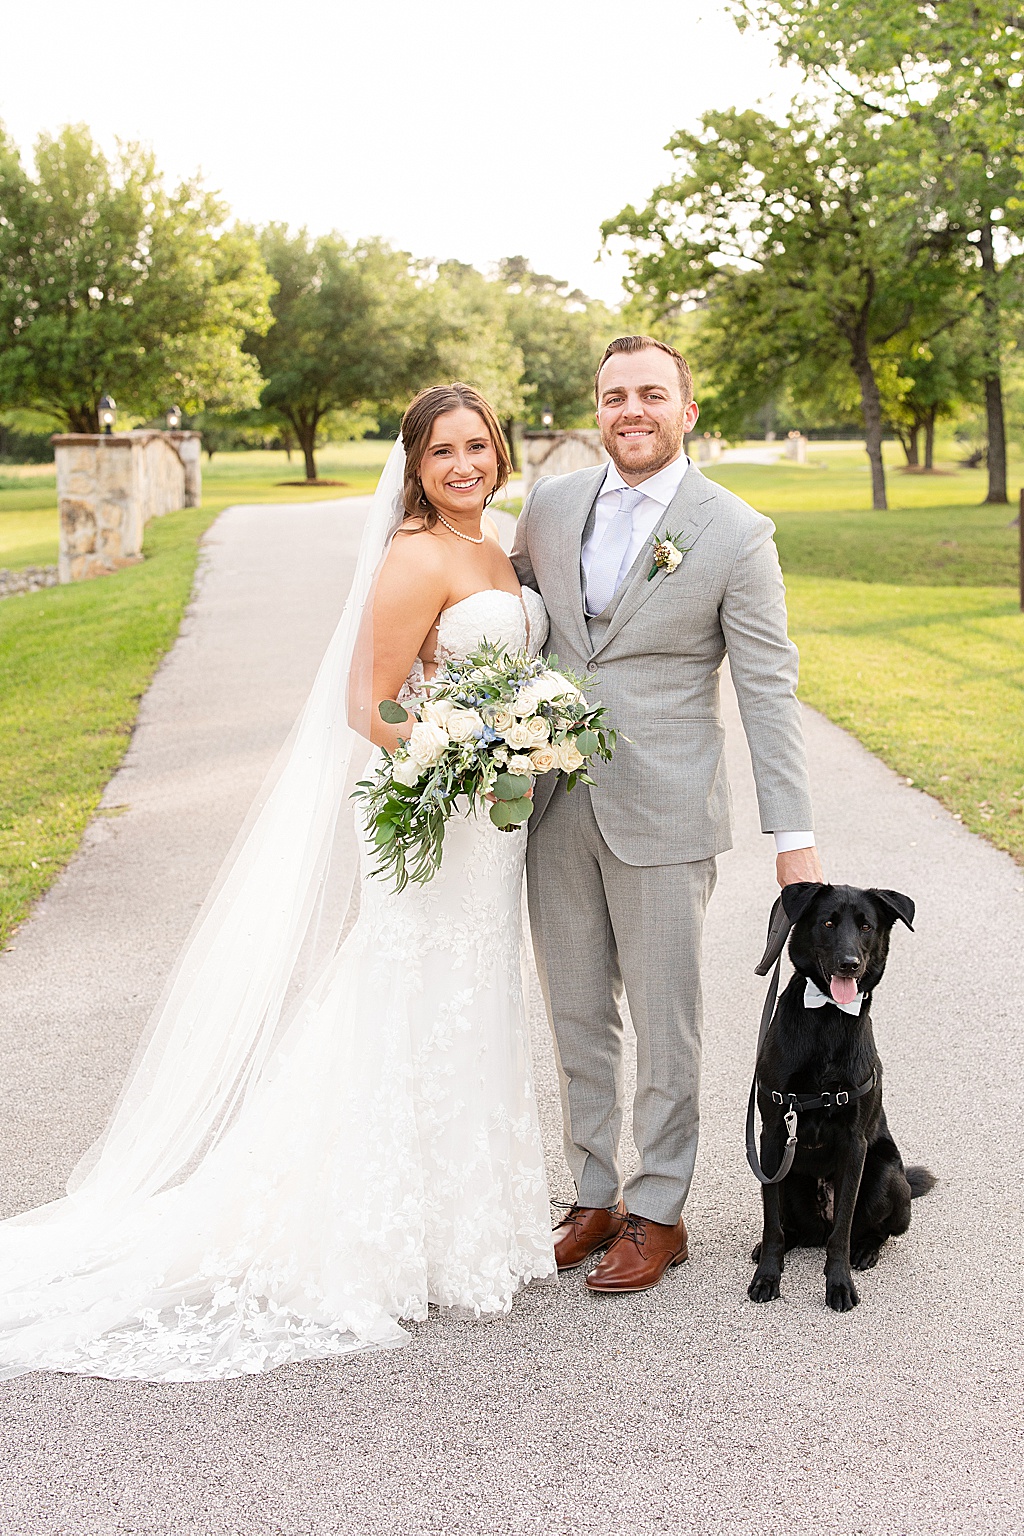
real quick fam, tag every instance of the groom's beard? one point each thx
(645, 456)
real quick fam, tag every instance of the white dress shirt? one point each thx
(658, 491)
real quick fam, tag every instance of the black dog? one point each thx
(848, 1189)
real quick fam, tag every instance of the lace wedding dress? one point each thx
(388, 1157)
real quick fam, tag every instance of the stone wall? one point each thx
(110, 485)
(559, 453)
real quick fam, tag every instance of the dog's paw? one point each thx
(841, 1294)
(864, 1257)
(765, 1287)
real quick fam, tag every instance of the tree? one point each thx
(111, 282)
(472, 338)
(941, 374)
(954, 69)
(561, 335)
(807, 244)
(351, 328)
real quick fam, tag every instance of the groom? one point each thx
(619, 875)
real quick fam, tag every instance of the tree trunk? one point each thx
(996, 440)
(929, 438)
(995, 418)
(908, 442)
(305, 431)
(871, 409)
(82, 418)
(510, 438)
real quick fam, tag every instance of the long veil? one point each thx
(236, 977)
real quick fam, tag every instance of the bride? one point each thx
(286, 1178)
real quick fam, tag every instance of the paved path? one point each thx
(687, 1409)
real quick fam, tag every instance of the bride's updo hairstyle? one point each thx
(417, 427)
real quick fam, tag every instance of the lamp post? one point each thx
(173, 418)
(546, 419)
(107, 412)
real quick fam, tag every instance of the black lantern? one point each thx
(546, 419)
(173, 418)
(107, 412)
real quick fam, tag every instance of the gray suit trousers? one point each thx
(599, 927)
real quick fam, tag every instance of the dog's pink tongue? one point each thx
(843, 988)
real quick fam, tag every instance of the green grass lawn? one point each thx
(931, 679)
(908, 621)
(74, 662)
(28, 495)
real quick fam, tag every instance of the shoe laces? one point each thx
(633, 1230)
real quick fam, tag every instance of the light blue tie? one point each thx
(606, 570)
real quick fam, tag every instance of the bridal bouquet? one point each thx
(486, 726)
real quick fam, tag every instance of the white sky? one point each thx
(452, 129)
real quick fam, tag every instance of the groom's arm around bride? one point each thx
(651, 575)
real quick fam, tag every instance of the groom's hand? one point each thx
(799, 864)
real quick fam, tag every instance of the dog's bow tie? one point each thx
(814, 997)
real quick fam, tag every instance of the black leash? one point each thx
(779, 929)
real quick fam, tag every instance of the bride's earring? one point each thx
(424, 501)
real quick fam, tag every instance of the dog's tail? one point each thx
(920, 1181)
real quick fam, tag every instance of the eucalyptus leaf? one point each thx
(511, 786)
(587, 742)
(392, 713)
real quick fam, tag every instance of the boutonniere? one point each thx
(668, 553)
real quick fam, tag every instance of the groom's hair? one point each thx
(640, 344)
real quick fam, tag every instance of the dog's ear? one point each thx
(797, 898)
(896, 905)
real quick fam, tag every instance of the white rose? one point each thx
(526, 700)
(537, 730)
(437, 711)
(552, 685)
(499, 756)
(544, 759)
(569, 756)
(428, 743)
(518, 736)
(500, 719)
(464, 724)
(673, 557)
(520, 765)
(406, 770)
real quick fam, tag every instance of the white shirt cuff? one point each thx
(788, 842)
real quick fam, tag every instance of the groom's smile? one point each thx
(641, 412)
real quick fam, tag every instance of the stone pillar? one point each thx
(796, 447)
(705, 449)
(190, 447)
(109, 485)
(559, 453)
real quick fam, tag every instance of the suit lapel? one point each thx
(686, 515)
(572, 521)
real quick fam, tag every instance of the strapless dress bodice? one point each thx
(514, 623)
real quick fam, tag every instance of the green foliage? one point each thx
(115, 283)
(350, 330)
(473, 339)
(561, 335)
(808, 246)
(954, 71)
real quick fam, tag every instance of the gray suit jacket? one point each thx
(656, 656)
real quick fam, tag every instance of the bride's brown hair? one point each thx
(417, 425)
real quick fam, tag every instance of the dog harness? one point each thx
(779, 930)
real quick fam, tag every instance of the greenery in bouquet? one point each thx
(485, 728)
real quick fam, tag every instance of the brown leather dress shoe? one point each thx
(639, 1256)
(583, 1230)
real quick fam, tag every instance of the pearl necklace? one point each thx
(467, 536)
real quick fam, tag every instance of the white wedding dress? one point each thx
(387, 1157)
